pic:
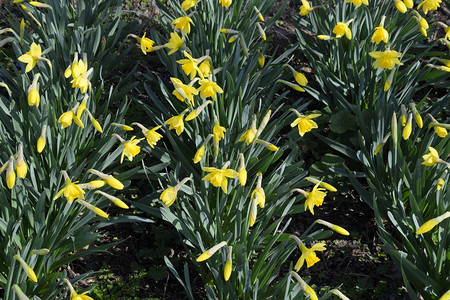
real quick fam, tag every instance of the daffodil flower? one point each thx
(169, 195)
(31, 57)
(41, 140)
(66, 118)
(430, 224)
(380, 34)
(151, 135)
(307, 290)
(305, 8)
(189, 65)
(187, 4)
(183, 23)
(194, 114)
(209, 88)
(130, 148)
(218, 177)
(357, 3)
(108, 179)
(308, 254)
(386, 59)
(428, 5)
(313, 198)
(300, 78)
(225, 3)
(304, 123)
(259, 192)
(74, 295)
(210, 252)
(10, 174)
(183, 91)
(175, 42)
(333, 227)
(146, 44)
(242, 172)
(176, 122)
(117, 202)
(432, 158)
(21, 165)
(71, 191)
(446, 30)
(228, 264)
(342, 29)
(218, 131)
(400, 5)
(26, 268)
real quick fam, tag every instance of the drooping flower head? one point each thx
(176, 122)
(183, 91)
(427, 5)
(305, 8)
(175, 42)
(380, 34)
(308, 254)
(183, 23)
(209, 88)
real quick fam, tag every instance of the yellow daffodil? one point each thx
(445, 296)
(342, 29)
(10, 174)
(304, 123)
(446, 30)
(357, 3)
(21, 165)
(218, 177)
(31, 57)
(242, 172)
(146, 44)
(71, 191)
(307, 290)
(183, 91)
(116, 201)
(151, 135)
(130, 149)
(194, 114)
(430, 224)
(305, 8)
(41, 140)
(248, 136)
(183, 23)
(408, 3)
(261, 60)
(175, 42)
(66, 118)
(386, 59)
(228, 265)
(259, 192)
(108, 179)
(204, 68)
(169, 195)
(308, 254)
(210, 252)
(209, 88)
(428, 5)
(26, 268)
(440, 131)
(431, 158)
(80, 73)
(440, 184)
(189, 65)
(225, 3)
(325, 185)
(187, 4)
(408, 128)
(199, 154)
(380, 34)
(74, 295)
(400, 5)
(218, 132)
(333, 227)
(176, 122)
(313, 198)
